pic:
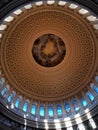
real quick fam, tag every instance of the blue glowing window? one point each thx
(90, 96)
(50, 111)
(25, 106)
(77, 108)
(42, 111)
(33, 110)
(67, 107)
(10, 97)
(84, 102)
(4, 91)
(95, 88)
(96, 78)
(75, 104)
(17, 103)
(59, 110)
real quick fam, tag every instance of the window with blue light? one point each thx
(50, 111)
(42, 111)
(17, 103)
(25, 106)
(10, 97)
(84, 102)
(67, 107)
(4, 91)
(90, 96)
(59, 110)
(75, 104)
(33, 109)
(96, 78)
(95, 88)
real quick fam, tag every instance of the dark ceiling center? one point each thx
(48, 50)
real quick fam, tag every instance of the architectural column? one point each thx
(79, 103)
(30, 107)
(72, 107)
(46, 111)
(4, 84)
(38, 110)
(21, 104)
(92, 91)
(55, 111)
(63, 109)
(15, 98)
(87, 99)
(8, 93)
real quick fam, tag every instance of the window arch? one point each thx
(90, 96)
(2, 80)
(18, 101)
(59, 109)
(84, 102)
(50, 111)
(42, 110)
(96, 79)
(67, 107)
(95, 88)
(5, 90)
(25, 106)
(75, 104)
(10, 97)
(33, 109)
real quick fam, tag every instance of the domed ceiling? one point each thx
(49, 50)
(43, 82)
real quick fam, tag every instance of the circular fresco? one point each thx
(48, 50)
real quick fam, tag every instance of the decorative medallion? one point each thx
(48, 50)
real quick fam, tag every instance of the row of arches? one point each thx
(73, 6)
(90, 97)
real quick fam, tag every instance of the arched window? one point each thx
(84, 102)
(50, 111)
(75, 104)
(10, 97)
(59, 109)
(18, 101)
(2, 80)
(25, 106)
(90, 95)
(96, 79)
(42, 110)
(33, 109)
(5, 90)
(67, 107)
(95, 88)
